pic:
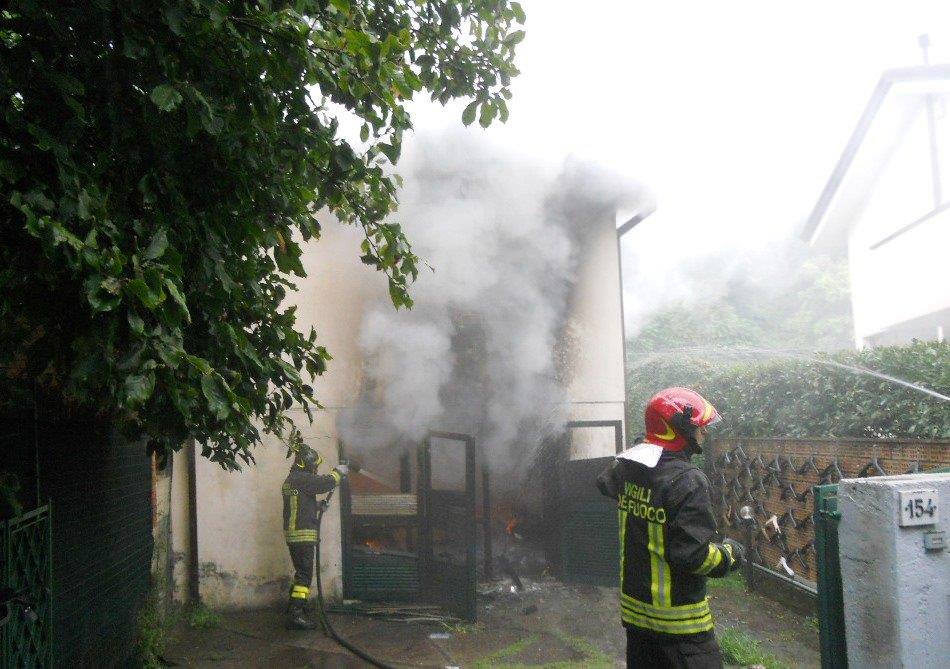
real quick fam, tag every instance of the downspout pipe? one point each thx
(194, 592)
(623, 229)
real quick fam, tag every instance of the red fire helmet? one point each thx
(666, 404)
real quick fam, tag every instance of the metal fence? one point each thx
(775, 478)
(27, 568)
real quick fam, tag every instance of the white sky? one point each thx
(732, 112)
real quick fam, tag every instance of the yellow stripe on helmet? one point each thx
(669, 435)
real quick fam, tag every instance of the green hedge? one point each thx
(792, 397)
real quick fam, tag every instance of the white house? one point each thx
(233, 539)
(888, 203)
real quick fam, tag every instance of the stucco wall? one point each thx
(242, 557)
(594, 331)
(895, 593)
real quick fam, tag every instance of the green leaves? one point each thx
(147, 296)
(179, 299)
(166, 97)
(487, 114)
(156, 247)
(468, 116)
(211, 387)
(139, 388)
(514, 38)
(103, 294)
(168, 155)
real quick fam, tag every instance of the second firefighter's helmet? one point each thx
(672, 414)
(307, 458)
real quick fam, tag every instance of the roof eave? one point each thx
(813, 224)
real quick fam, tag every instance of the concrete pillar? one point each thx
(162, 583)
(593, 365)
(896, 592)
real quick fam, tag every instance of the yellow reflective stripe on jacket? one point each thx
(682, 619)
(691, 626)
(337, 476)
(678, 612)
(659, 568)
(713, 559)
(623, 538)
(300, 592)
(300, 536)
(292, 521)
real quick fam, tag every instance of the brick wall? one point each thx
(774, 477)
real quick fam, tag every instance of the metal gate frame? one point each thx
(831, 631)
(449, 584)
(27, 567)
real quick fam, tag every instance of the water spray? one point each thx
(810, 358)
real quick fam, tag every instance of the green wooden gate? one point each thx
(27, 568)
(447, 537)
(440, 518)
(589, 542)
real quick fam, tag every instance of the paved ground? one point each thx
(569, 625)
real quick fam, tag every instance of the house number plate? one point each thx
(918, 507)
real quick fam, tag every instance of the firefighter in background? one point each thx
(301, 510)
(668, 537)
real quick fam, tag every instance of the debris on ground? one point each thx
(568, 624)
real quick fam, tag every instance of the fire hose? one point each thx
(321, 605)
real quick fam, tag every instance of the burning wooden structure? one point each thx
(417, 543)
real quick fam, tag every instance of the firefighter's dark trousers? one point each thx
(302, 555)
(651, 651)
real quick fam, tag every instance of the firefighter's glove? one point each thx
(343, 469)
(736, 553)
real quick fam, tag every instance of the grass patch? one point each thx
(594, 658)
(152, 636)
(811, 623)
(462, 628)
(497, 658)
(742, 649)
(733, 581)
(203, 618)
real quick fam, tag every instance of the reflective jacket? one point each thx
(301, 505)
(667, 544)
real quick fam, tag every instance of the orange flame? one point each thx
(374, 545)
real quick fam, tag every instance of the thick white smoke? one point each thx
(477, 352)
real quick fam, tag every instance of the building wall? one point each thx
(243, 560)
(906, 278)
(595, 332)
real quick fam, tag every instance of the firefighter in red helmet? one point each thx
(668, 536)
